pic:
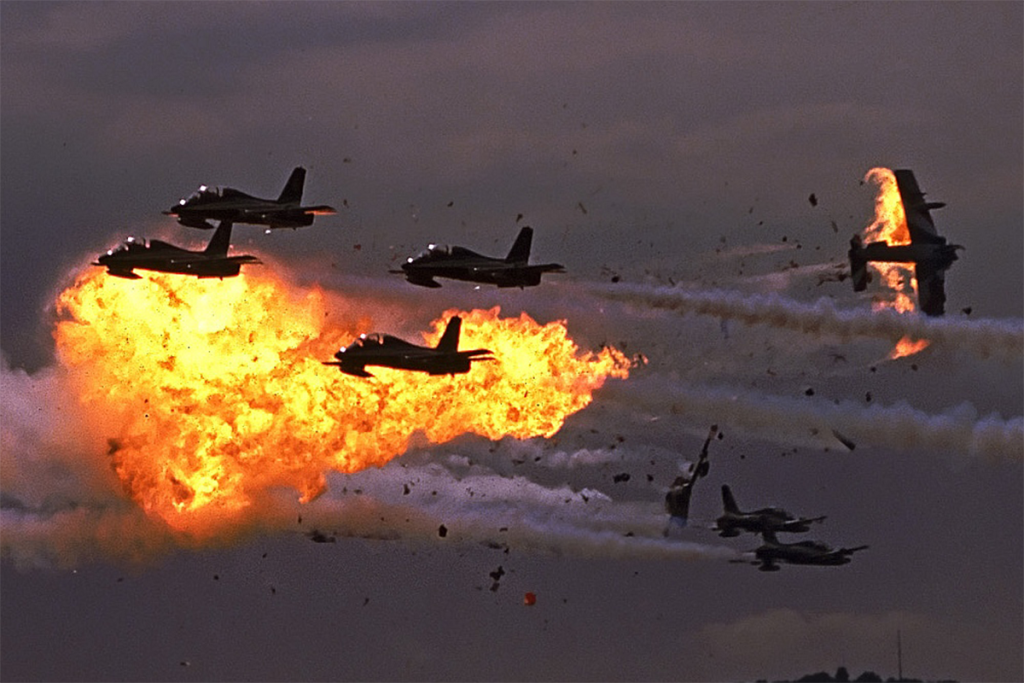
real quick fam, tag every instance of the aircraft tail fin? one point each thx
(292, 191)
(220, 241)
(858, 264)
(728, 501)
(450, 339)
(520, 251)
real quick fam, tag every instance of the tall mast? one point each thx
(899, 655)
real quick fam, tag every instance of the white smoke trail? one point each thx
(955, 433)
(982, 337)
(512, 512)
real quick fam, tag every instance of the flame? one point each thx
(890, 226)
(212, 392)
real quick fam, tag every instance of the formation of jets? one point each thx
(228, 206)
(928, 251)
(383, 350)
(766, 521)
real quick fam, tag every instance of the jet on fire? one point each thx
(928, 251)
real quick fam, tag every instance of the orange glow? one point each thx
(890, 226)
(908, 347)
(211, 392)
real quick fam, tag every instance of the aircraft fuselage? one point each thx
(483, 271)
(432, 365)
(250, 212)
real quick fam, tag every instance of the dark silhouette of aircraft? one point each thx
(228, 204)
(459, 263)
(167, 258)
(734, 520)
(928, 251)
(804, 552)
(391, 352)
(677, 500)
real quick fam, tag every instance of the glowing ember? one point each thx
(890, 225)
(212, 392)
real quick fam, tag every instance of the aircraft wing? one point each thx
(268, 210)
(919, 220)
(931, 288)
(318, 210)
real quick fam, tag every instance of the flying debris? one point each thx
(805, 552)
(770, 519)
(845, 440)
(318, 536)
(228, 204)
(167, 258)
(928, 251)
(529, 598)
(459, 263)
(391, 352)
(677, 500)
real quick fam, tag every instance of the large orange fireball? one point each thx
(212, 392)
(890, 225)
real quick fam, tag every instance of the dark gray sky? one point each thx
(660, 142)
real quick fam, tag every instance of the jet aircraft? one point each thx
(459, 263)
(734, 520)
(677, 500)
(928, 251)
(386, 351)
(167, 258)
(804, 552)
(228, 204)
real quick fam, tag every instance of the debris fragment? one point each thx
(844, 440)
(622, 477)
(318, 536)
(529, 599)
(442, 531)
(813, 200)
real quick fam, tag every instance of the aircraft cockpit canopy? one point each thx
(204, 192)
(431, 252)
(129, 245)
(367, 341)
